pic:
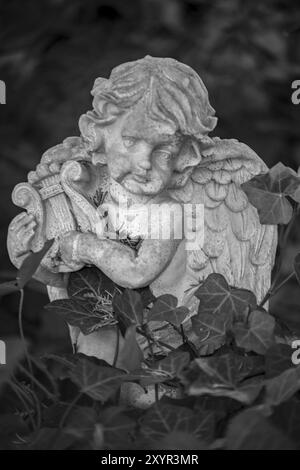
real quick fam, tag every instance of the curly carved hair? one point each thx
(173, 93)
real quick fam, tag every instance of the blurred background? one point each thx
(247, 53)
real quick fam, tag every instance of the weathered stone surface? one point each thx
(140, 170)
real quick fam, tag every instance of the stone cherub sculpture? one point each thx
(146, 142)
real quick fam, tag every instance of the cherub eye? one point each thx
(164, 152)
(128, 141)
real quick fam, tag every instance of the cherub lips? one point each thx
(140, 178)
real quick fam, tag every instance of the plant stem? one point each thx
(284, 281)
(165, 345)
(38, 409)
(44, 370)
(185, 339)
(283, 238)
(37, 382)
(16, 390)
(117, 348)
(274, 289)
(156, 393)
(69, 409)
(148, 336)
(20, 321)
(63, 419)
(161, 343)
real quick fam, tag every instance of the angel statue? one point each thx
(145, 147)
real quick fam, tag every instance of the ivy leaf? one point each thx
(80, 424)
(173, 364)
(59, 366)
(26, 271)
(278, 359)
(223, 376)
(50, 438)
(217, 298)
(225, 370)
(130, 357)
(165, 309)
(14, 351)
(31, 263)
(96, 379)
(286, 417)
(211, 330)
(10, 425)
(163, 419)
(91, 283)
(87, 315)
(220, 406)
(268, 193)
(164, 304)
(258, 334)
(90, 304)
(146, 295)
(146, 376)
(282, 387)
(166, 369)
(128, 307)
(53, 414)
(296, 267)
(178, 440)
(177, 316)
(250, 430)
(9, 287)
(118, 429)
(286, 310)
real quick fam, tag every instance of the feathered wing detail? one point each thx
(236, 245)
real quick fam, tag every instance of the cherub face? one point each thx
(140, 152)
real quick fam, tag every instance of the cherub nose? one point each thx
(145, 164)
(142, 158)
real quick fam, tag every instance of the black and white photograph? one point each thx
(149, 228)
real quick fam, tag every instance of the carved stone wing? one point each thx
(236, 244)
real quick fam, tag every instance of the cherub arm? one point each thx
(20, 234)
(120, 262)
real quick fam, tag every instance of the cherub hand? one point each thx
(53, 159)
(21, 232)
(68, 251)
(50, 164)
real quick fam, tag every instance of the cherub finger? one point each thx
(32, 177)
(23, 241)
(31, 225)
(27, 236)
(57, 154)
(54, 167)
(21, 220)
(28, 221)
(22, 231)
(16, 220)
(42, 170)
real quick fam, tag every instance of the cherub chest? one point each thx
(127, 222)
